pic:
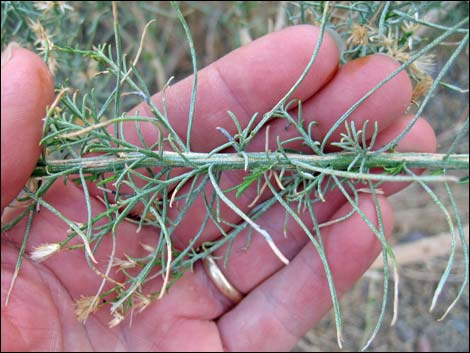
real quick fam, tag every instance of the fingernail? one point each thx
(8, 52)
(338, 40)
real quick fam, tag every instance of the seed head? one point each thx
(117, 319)
(421, 88)
(84, 307)
(359, 35)
(44, 251)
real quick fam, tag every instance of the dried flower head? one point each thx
(411, 29)
(124, 264)
(78, 224)
(387, 41)
(90, 71)
(142, 301)
(423, 66)
(42, 38)
(52, 64)
(400, 54)
(44, 251)
(148, 248)
(117, 319)
(46, 6)
(85, 306)
(44, 44)
(359, 35)
(23, 200)
(390, 43)
(421, 88)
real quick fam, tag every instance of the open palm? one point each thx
(281, 302)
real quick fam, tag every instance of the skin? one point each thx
(281, 302)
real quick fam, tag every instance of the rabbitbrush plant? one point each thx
(78, 146)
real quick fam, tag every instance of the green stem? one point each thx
(233, 161)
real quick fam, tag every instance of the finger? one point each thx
(250, 79)
(27, 88)
(359, 76)
(294, 299)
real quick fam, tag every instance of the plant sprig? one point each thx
(143, 175)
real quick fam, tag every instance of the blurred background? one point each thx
(421, 236)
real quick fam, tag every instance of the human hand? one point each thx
(280, 302)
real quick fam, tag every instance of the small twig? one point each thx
(329, 163)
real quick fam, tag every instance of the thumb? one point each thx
(27, 88)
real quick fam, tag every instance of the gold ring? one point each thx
(220, 281)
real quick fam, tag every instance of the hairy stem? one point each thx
(231, 161)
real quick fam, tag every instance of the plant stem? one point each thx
(233, 161)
